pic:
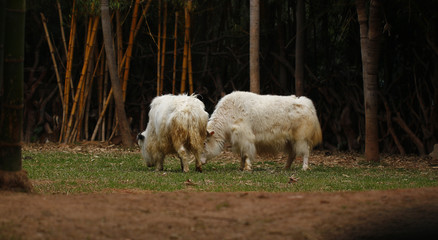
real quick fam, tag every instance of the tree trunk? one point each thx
(370, 34)
(159, 50)
(11, 101)
(254, 39)
(125, 131)
(2, 49)
(282, 71)
(299, 50)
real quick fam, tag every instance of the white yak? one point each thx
(177, 124)
(255, 123)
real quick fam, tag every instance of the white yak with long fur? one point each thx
(177, 124)
(255, 123)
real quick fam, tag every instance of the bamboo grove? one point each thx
(76, 97)
(202, 47)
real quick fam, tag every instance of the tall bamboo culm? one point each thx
(187, 10)
(67, 80)
(129, 48)
(189, 63)
(163, 47)
(52, 53)
(88, 49)
(62, 28)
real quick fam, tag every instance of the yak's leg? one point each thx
(198, 161)
(302, 148)
(245, 163)
(242, 141)
(197, 148)
(290, 158)
(184, 158)
(247, 154)
(159, 163)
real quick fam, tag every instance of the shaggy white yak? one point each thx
(265, 124)
(177, 124)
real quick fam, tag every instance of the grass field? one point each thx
(53, 171)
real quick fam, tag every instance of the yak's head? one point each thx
(212, 147)
(143, 143)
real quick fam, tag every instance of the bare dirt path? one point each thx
(394, 214)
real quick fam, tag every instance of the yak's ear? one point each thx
(210, 133)
(140, 137)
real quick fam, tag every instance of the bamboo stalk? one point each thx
(137, 28)
(86, 96)
(129, 48)
(142, 16)
(163, 48)
(99, 121)
(190, 67)
(88, 48)
(68, 72)
(82, 98)
(175, 35)
(62, 28)
(52, 53)
(186, 46)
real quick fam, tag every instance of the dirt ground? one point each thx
(123, 214)
(397, 214)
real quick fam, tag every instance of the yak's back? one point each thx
(180, 117)
(270, 117)
(265, 109)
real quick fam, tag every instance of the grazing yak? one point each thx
(177, 124)
(265, 124)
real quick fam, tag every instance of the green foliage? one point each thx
(66, 173)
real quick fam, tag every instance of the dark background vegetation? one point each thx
(408, 76)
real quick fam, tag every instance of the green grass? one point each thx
(66, 173)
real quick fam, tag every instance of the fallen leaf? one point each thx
(293, 179)
(189, 182)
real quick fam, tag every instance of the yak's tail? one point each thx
(189, 129)
(317, 134)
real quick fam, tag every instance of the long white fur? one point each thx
(177, 124)
(265, 124)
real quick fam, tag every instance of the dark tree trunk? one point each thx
(11, 117)
(11, 101)
(299, 49)
(2, 46)
(370, 34)
(282, 71)
(254, 40)
(125, 131)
